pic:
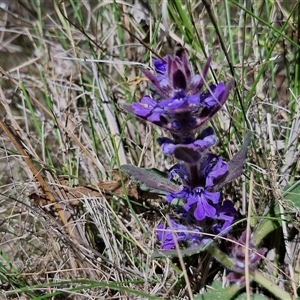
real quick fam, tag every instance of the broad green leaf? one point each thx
(264, 228)
(150, 180)
(174, 253)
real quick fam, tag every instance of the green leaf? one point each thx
(253, 297)
(216, 291)
(268, 225)
(174, 253)
(150, 180)
(292, 193)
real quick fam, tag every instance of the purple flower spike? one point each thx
(183, 103)
(182, 107)
(238, 253)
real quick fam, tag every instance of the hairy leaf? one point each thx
(150, 180)
(216, 291)
(236, 165)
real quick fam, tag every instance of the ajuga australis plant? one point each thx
(183, 107)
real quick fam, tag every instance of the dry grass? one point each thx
(62, 132)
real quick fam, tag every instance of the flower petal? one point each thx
(204, 209)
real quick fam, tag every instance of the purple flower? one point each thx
(224, 218)
(213, 167)
(168, 145)
(160, 65)
(185, 228)
(183, 194)
(197, 193)
(148, 108)
(211, 97)
(178, 173)
(167, 235)
(182, 228)
(238, 253)
(176, 231)
(161, 69)
(198, 200)
(202, 200)
(175, 73)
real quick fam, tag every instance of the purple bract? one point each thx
(238, 253)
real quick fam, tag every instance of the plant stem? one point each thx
(270, 286)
